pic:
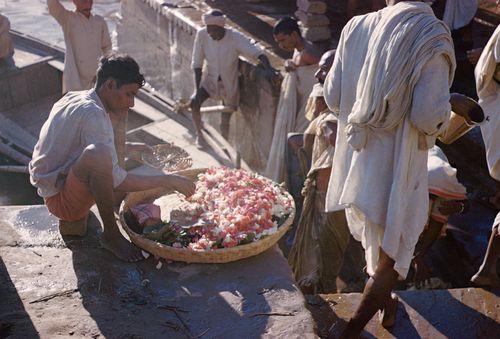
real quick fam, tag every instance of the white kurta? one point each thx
(87, 39)
(384, 184)
(488, 91)
(6, 47)
(219, 59)
(290, 116)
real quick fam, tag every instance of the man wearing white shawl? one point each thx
(389, 86)
(488, 89)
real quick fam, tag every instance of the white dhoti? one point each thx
(290, 117)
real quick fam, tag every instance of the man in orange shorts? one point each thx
(75, 163)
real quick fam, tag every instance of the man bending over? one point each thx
(75, 163)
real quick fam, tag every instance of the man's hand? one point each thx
(181, 184)
(135, 150)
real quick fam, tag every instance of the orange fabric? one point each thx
(73, 202)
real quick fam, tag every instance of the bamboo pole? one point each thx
(13, 154)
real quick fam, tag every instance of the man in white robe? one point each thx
(488, 89)
(391, 103)
(215, 60)
(87, 39)
(295, 89)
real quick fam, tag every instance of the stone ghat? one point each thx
(454, 313)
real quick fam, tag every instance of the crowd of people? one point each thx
(358, 123)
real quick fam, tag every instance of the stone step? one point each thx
(453, 313)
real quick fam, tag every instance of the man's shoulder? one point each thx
(202, 31)
(81, 103)
(98, 18)
(235, 34)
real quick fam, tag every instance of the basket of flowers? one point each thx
(233, 214)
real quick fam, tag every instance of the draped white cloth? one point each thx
(290, 116)
(398, 64)
(458, 13)
(488, 91)
(443, 180)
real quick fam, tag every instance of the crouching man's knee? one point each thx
(96, 157)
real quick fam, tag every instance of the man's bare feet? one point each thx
(387, 316)
(122, 248)
(485, 279)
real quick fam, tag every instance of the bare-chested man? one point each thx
(295, 89)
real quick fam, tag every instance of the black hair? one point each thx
(286, 25)
(120, 67)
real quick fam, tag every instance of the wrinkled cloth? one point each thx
(322, 151)
(321, 238)
(384, 186)
(290, 116)
(6, 46)
(443, 180)
(76, 121)
(143, 212)
(320, 242)
(219, 60)
(458, 13)
(389, 74)
(488, 91)
(443, 183)
(86, 39)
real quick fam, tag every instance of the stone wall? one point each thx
(161, 40)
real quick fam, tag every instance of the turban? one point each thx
(210, 19)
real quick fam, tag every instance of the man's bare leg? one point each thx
(376, 296)
(199, 98)
(95, 168)
(487, 274)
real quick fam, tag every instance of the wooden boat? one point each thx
(28, 91)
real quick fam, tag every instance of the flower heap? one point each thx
(235, 207)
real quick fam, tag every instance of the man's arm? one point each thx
(57, 10)
(431, 98)
(135, 183)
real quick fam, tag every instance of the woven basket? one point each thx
(217, 256)
(168, 157)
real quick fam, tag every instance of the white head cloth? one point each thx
(210, 19)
